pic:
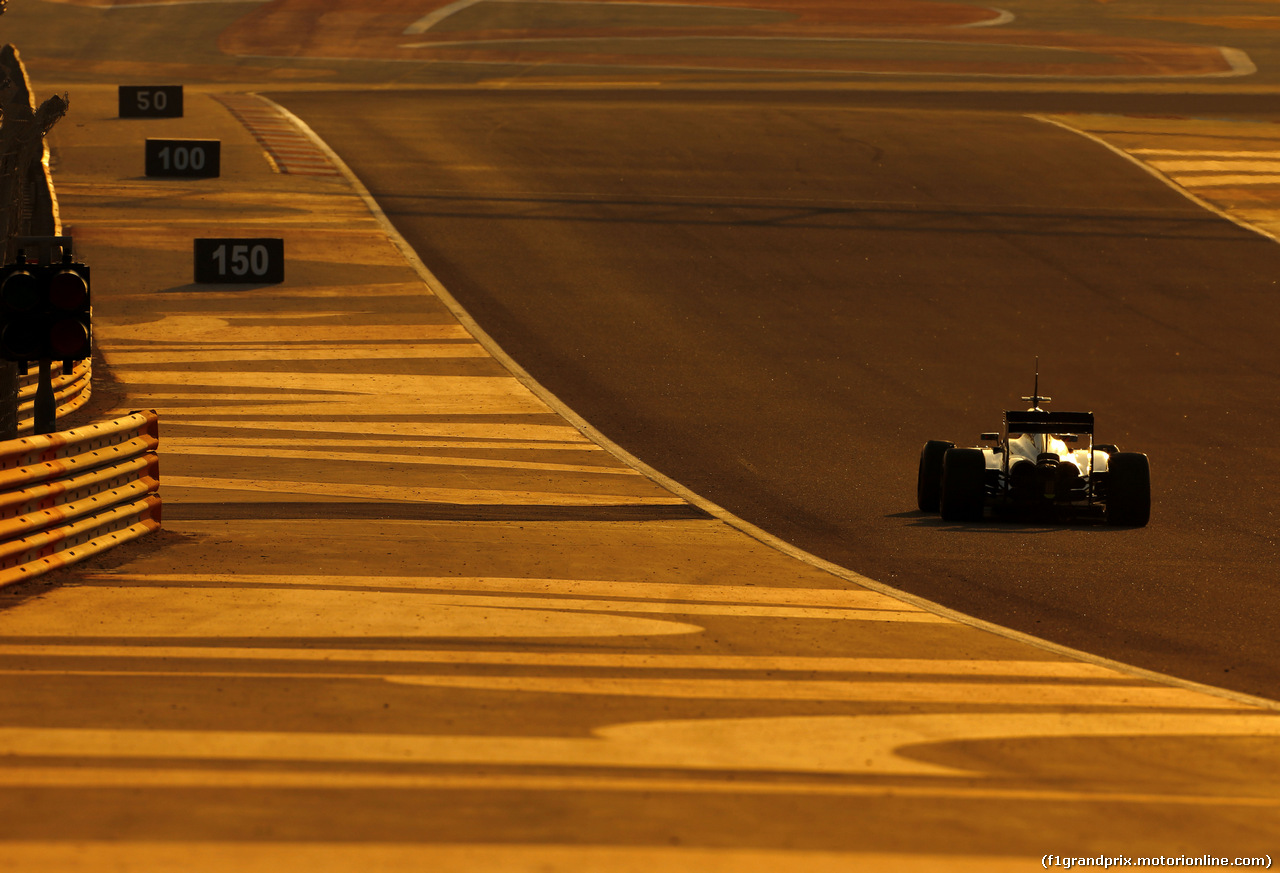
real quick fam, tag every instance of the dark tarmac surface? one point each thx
(776, 300)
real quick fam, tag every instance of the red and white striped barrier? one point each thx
(66, 496)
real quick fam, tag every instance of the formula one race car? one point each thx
(1031, 472)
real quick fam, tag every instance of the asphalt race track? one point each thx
(404, 615)
(776, 299)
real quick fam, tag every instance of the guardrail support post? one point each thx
(8, 400)
(46, 406)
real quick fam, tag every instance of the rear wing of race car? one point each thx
(1039, 421)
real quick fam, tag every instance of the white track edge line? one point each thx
(756, 533)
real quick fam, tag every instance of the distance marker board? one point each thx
(239, 261)
(184, 158)
(150, 101)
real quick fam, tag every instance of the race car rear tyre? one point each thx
(1128, 490)
(964, 489)
(929, 479)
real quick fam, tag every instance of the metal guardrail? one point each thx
(67, 496)
(63, 496)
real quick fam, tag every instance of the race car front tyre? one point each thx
(1128, 490)
(929, 479)
(964, 490)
